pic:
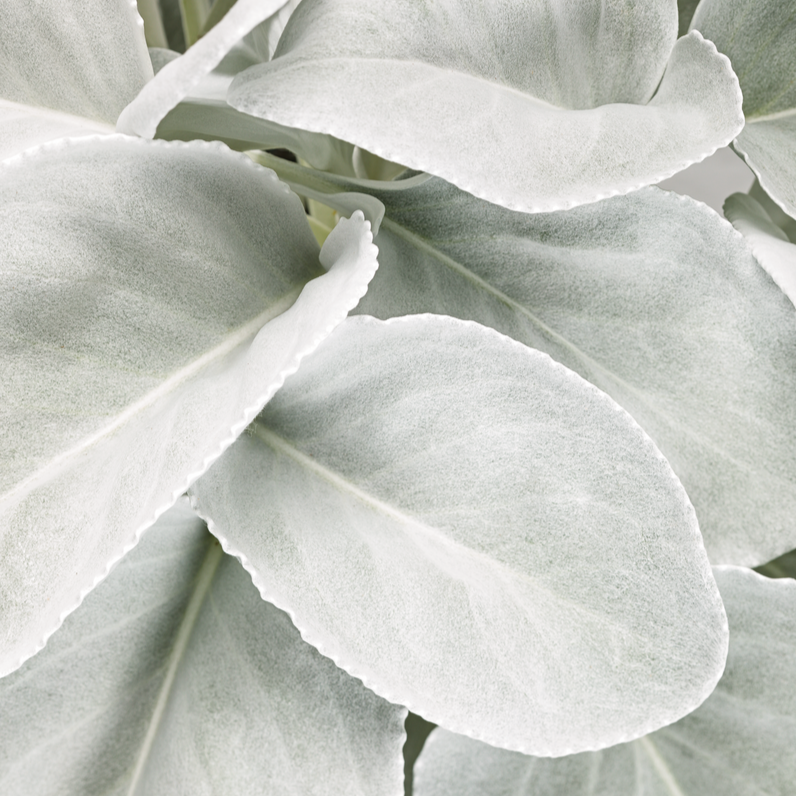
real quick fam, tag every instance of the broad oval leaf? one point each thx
(760, 40)
(563, 96)
(771, 245)
(651, 297)
(476, 533)
(154, 300)
(174, 677)
(739, 742)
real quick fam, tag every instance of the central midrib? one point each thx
(169, 385)
(202, 585)
(285, 447)
(660, 766)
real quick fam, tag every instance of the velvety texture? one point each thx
(477, 533)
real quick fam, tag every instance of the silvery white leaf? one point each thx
(174, 677)
(154, 300)
(772, 247)
(177, 79)
(86, 58)
(476, 533)
(739, 742)
(652, 298)
(532, 105)
(760, 40)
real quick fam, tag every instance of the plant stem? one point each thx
(194, 14)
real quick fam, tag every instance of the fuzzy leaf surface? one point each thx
(155, 297)
(562, 93)
(86, 59)
(740, 741)
(476, 533)
(573, 285)
(651, 297)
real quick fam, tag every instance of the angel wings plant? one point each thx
(517, 494)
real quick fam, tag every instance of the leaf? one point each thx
(176, 80)
(174, 677)
(172, 24)
(476, 533)
(86, 59)
(154, 300)
(527, 106)
(651, 297)
(740, 741)
(774, 251)
(760, 40)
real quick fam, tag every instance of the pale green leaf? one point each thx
(476, 533)
(154, 31)
(532, 105)
(174, 677)
(154, 300)
(86, 58)
(760, 39)
(772, 247)
(739, 742)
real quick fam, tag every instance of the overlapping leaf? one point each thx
(535, 106)
(175, 677)
(203, 113)
(739, 742)
(651, 297)
(154, 300)
(760, 39)
(476, 533)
